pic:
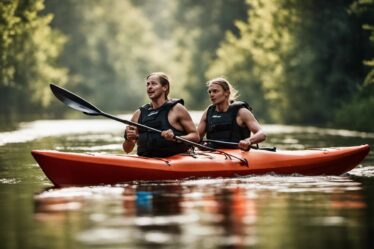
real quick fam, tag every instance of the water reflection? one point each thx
(257, 211)
(211, 213)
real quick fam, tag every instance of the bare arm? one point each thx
(183, 122)
(202, 125)
(131, 134)
(250, 121)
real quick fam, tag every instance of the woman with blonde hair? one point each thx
(228, 120)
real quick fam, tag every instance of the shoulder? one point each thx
(206, 110)
(210, 107)
(245, 113)
(179, 112)
(203, 116)
(173, 102)
(240, 104)
(209, 110)
(136, 115)
(178, 107)
(144, 107)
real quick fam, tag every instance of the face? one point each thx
(155, 90)
(217, 95)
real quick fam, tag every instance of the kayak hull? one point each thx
(77, 169)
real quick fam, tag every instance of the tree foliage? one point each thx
(287, 55)
(201, 26)
(357, 113)
(110, 50)
(29, 49)
(190, 31)
(114, 44)
(294, 61)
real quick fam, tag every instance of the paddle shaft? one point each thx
(200, 146)
(226, 143)
(237, 144)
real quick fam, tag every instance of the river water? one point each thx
(269, 211)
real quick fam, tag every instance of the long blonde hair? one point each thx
(227, 87)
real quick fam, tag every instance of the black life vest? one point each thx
(222, 126)
(150, 143)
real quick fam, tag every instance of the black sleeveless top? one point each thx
(150, 143)
(222, 126)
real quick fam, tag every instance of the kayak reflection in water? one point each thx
(165, 114)
(227, 119)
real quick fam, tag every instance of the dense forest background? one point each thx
(308, 62)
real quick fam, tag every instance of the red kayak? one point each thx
(76, 169)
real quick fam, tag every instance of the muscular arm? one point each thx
(132, 134)
(250, 121)
(183, 121)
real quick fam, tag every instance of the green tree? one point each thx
(298, 59)
(358, 112)
(110, 50)
(202, 26)
(29, 49)
(189, 32)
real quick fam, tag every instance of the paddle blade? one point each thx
(74, 101)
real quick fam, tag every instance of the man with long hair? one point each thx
(167, 115)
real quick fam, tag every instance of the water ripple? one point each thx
(367, 171)
(9, 181)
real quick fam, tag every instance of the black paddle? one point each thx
(74, 101)
(235, 145)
